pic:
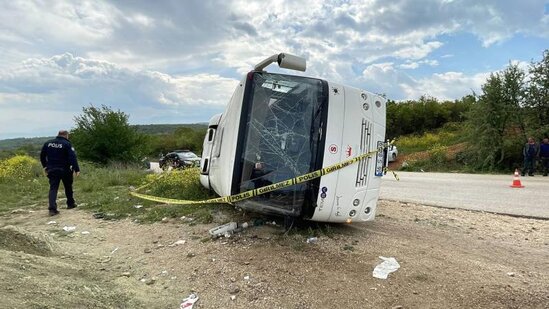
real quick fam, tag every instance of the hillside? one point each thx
(168, 128)
(153, 129)
(17, 143)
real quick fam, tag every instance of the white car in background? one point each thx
(392, 153)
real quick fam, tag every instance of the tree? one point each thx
(495, 123)
(182, 138)
(538, 94)
(103, 135)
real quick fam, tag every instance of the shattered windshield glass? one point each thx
(281, 138)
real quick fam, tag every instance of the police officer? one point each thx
(59, 161)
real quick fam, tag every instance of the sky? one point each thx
(179, 61)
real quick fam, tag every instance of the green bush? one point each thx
(179, 184)
(103, 135)
(450, 134)
(437, 154)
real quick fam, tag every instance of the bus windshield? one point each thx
(282, 137)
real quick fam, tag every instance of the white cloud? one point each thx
(415, 64)
(64, 84)
(398, 85)
(182, 59)
(66, 73)
(417, 51)
(445, 86)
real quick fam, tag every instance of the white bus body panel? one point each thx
(224, 146)
(355, 126)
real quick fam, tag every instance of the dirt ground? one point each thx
(448, 259)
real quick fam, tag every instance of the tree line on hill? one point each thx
(512, 106)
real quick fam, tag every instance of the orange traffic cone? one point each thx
(516, 181)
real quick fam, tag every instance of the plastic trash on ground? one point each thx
(69, 228)
(188, 302)
(177, 243)
(223, 229)
(312, 240)
(389, 265)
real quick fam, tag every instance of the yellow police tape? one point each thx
(259, 191)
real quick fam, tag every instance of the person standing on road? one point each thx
(59, 161)
(544, 155)
(530, 152)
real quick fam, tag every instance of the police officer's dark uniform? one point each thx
(59, 161)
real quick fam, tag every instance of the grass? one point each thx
(450, 134)
(105, 190)
(436, 151)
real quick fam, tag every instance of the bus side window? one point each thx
(217, 144)
(211, 134)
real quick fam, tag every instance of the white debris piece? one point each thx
(177, 243)
(69, 228)
(188, 302)
(388, 266)
(224, 229)
(137, 206)
(51, 222)
(85, 233)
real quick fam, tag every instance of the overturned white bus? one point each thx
(278, 126)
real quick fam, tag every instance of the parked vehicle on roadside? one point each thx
(179, 159)
(392, 153)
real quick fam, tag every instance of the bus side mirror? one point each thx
(287, 61)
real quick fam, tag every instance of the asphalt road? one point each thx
(490, 193)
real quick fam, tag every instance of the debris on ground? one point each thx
(389, 265)
(69, 229)
(102, 215)
(177, 243)
(188, 302)
(223, 230)
(85, 232)
(51, 222)
(137, 206)
(312, 240)
(148, 281)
